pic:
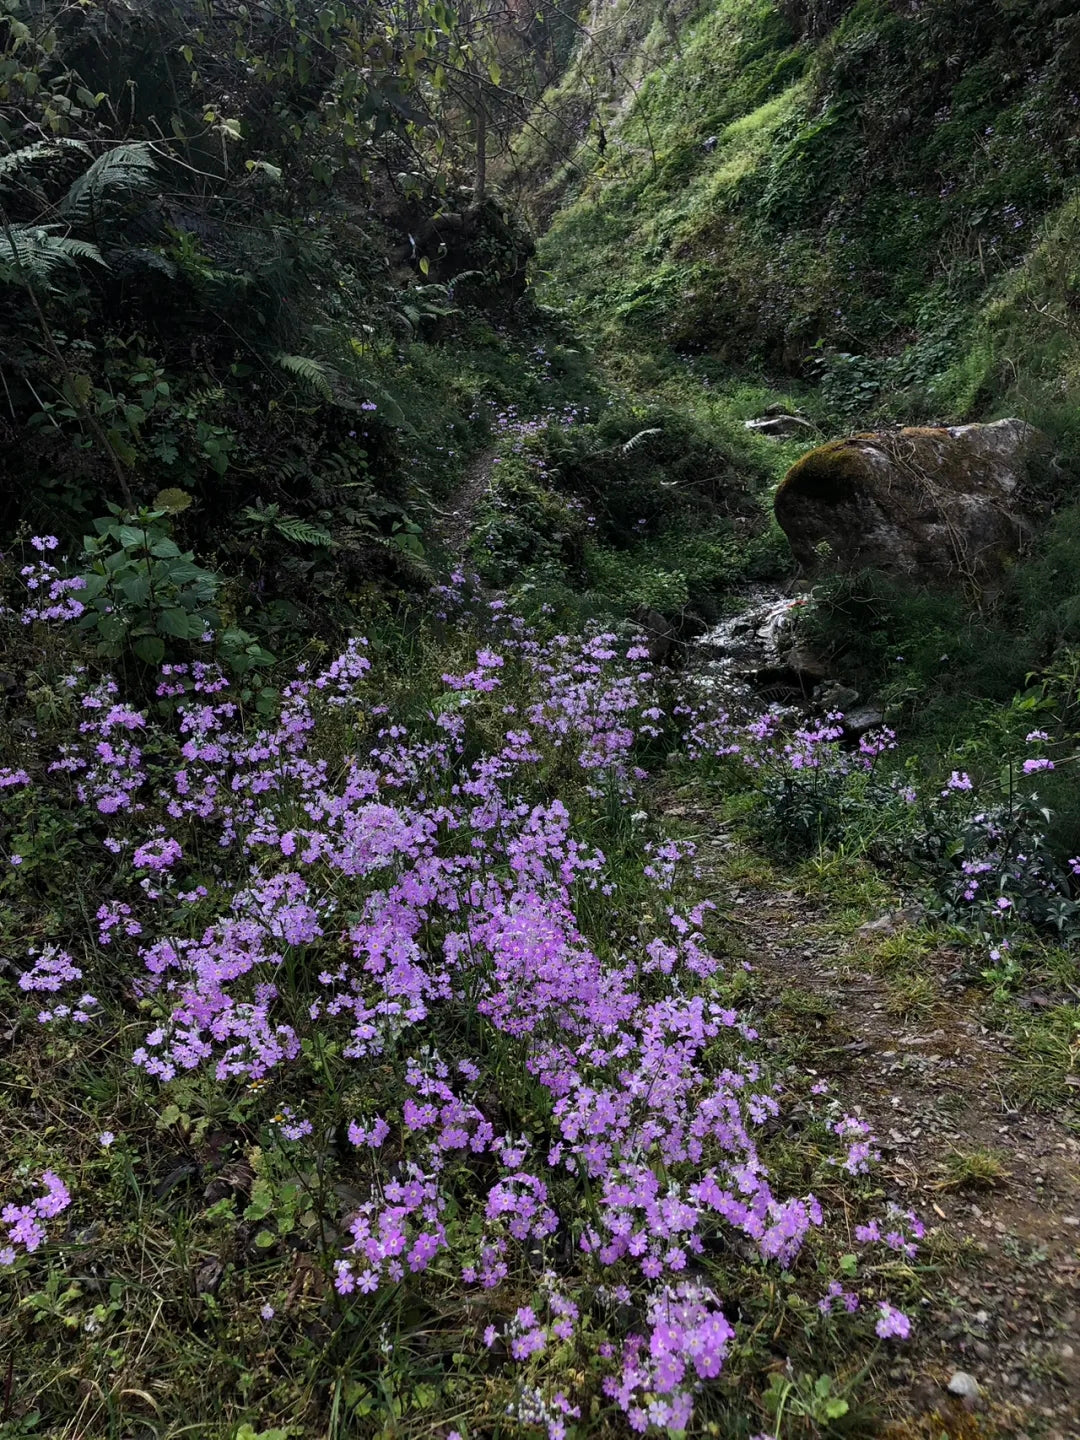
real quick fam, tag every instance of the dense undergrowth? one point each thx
(874, 205)
(380, 1062)
(872, 196)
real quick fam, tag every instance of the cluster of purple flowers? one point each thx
(52, 596)
(106, 759)
(387, 885)
(25, 1223)
(768, 741)
(985, 842)
(52, 971)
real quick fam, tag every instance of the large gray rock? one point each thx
(935, 505)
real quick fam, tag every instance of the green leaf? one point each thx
(111, 628)
(150, 649)
(80, 389)
(94, 585)
(135, 588)
(261, 1202)
(122, 447)
(180, 624)
(172, 501)
(263, 167)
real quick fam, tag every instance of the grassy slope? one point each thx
(869, 199)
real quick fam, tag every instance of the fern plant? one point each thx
(15, 162)
(105, 191)
(32, 253)
(313, 373)
(266, 520)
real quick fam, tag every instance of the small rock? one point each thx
(963, 1385)
(208, 1277)
(781, 427)
(858, 722)
(661, 634)
(839, 697)
(806, 665)
(907, 917)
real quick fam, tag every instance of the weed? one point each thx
(910, 996)
(1045, 1057)
(975, 1169)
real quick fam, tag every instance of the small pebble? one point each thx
(963, 1385)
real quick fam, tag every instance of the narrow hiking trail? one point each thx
(1000, 1288)
(455, 522)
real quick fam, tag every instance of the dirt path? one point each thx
(1004, 1306)
(456, 523)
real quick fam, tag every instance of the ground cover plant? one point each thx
(430, 1027)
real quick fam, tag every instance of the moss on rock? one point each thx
(934, 504)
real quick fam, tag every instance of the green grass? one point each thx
(974, 1169)
(1046, 1058)
(857, 198)
(911, 996)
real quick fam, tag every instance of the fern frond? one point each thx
(34, 253)
(120, 175)
(17, 160)
(635, 440)
(289, 527)
(312, 372)
(299, 532)
(414, 567)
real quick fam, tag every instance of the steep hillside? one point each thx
(858, 195)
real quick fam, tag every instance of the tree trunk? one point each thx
(480, 178)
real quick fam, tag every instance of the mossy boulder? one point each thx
(936, 506)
